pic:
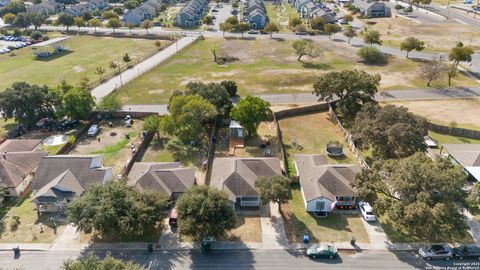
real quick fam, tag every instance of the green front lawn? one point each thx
(87, 54)
(447, 139)
(334, 228)
(32, 229)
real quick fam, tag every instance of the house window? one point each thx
(319, 206)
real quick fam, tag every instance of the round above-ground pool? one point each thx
(55, 140)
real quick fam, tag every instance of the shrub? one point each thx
(17, 33)
(371, 55)
(231, 87)
(14, 223)
(36, 35)
(118, 10)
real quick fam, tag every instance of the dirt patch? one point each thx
(156, 91)
(225, 74)
(247, 229)
(78, 69)
(464, 112)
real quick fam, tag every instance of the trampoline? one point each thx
(334, 149)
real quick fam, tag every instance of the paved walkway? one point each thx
(378, 238)
(116, 82)
(273, 228)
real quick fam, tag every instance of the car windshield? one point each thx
(370, 213)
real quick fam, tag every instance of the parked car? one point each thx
(46, 123)
(253, 32)
(67, 124)
(300, 33)
(214, 10)
(436, 252)
(92, 131)
(173, 218)
(466, 252)
(322, 251)
(366, 211)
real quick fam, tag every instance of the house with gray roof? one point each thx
(309, 9)
(372, 9)
(237, 177)
(100, 4)
(326, 187)
(147, 10)
(81, 8)
(168, 178)
(191, 14)
(46, 8)
(468, 156)
(61, 178)
(18, 162)
(255, 14)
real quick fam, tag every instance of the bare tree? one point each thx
(433, 70)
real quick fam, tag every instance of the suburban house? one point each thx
(192, 13)
(168, 178)
(147, 10)
(81, 8)
(100, 4)
(255, 14)
(325, 187)
(47, 8)
(309, 9)
(59, 179)
(19, 160)
(237, 177)
(468, 156)
(372, 9)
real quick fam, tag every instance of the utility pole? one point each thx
(448, 10)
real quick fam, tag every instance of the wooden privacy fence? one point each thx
(460, 132)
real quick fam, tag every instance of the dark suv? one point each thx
(466, 252)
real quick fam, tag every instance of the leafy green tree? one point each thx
(372, 37)
(231, 87)
(65, 20)
(347, 18)
(392, 132)
(130, 26)
(13, 7)
(26, 103)
(92, 262)
(273, 188)
(204, 211)
(372, 55)
(79, 22)
(352, 88)
(232, 20)
(22, 20)
(78, 103)
(241, 27)
(331, 28)
(36, 19)
(110, 103)
(152, 123)
(95, 23)
(86, 16)
(410, 44)
(350, 33)
(131, 4)
(271, 28)
(304, 47)
(9, 18)
(215, 93)
(147, 24)
(188, 113)
(250, 112)
(114, 23)
(109, 14)
(207, 20)
(426, 2)
(118, 10)
(118, 208)
(458, 54)
(317, 23)
(417, 196)
(294, 22)
(225, 27)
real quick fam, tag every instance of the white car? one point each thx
(92, 131)
(366, 211)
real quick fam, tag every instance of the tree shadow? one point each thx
(322, 66)
(278, 39)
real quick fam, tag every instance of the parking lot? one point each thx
(7, 43)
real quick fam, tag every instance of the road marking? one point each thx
(462, 22)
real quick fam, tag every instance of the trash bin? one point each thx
(352, 240)
(306, 239)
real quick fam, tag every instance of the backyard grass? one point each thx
(312, 132)
(87, 54)
(464, 112)
(438, 36)
(447, 139)
(52, 149)
(31, 229)
(6, 126)
(264, 66)
(247, 229)
(334, 228)
(156, 151)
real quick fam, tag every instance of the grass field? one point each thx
(31, 229)
(464, 112)
(438, 37)
(280, 14)
(264, 66)
(87, 54)
(447, 139)
(334, 228)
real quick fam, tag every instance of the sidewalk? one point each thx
(116, 82)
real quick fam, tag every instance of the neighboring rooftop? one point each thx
(237, 176)
(468, 155)
(19, 145)
(320, 179)
(50, 41)
(165, 177)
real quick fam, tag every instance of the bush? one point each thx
(371, 55)
(36, 35)
(17, 33)
(231, 87)
(118, 10)
(14, 223)
(408, 9)
(398, 7)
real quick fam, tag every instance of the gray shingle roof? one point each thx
(19, 145)
(468, 155)
(319, 179)
(164, 177)
(237, 176)
(16, 165)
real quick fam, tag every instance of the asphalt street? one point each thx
(240, 259)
